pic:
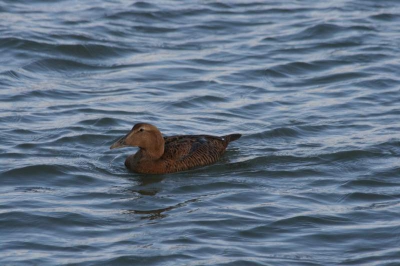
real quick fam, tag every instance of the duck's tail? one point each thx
(232, 137)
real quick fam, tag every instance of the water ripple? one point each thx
(313, 88)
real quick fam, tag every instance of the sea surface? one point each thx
(313, 86)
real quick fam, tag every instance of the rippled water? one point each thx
(314, 88)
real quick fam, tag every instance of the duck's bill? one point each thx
(119, 143)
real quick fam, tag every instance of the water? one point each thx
(314, 88)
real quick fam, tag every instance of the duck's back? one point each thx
(185, 152)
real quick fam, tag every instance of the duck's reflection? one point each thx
(147, 184)
(158, 213)
(145, 180)
(150, 185)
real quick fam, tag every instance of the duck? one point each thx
(161, 155)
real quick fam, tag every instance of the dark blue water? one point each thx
(313, 86)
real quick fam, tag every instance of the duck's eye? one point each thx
(141, 129)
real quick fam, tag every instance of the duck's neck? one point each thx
(155, 149)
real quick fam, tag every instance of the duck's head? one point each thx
(145, 136)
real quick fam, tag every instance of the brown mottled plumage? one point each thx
(160, 155)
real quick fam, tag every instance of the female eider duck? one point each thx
(161, 155)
